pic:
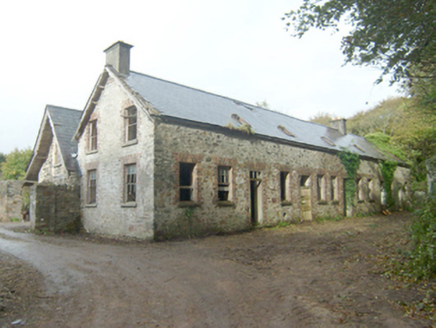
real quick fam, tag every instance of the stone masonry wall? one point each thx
(10, 200)
(55, 208)
(243, 153)
(57, 173)
(111, 215)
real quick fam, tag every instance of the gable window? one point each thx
(321, 188)
(130, 183)
(285, 194)
(92, 187)
(130, 121)
(187, 182)
(56, 155)
(334, 191)
(92, 136)
(224, 183)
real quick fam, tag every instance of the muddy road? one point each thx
(310, 275)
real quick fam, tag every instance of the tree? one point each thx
(14, 167)
(322, 118)
(399, 36)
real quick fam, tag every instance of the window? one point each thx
(187, 182)
(224, 183)
(305, 181)
(285, 194)
(321, 187)
(360, 190)
(92, 187)
(92, 136)
(334, 188)
(130, 183)
(130, 121)
(371, 190)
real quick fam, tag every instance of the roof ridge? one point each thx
(61, 107)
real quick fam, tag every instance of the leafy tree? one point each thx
(399, 36)
(2, 159)
(322, 118)
(14, 167)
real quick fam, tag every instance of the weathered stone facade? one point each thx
(55, 208)
(11, 200)
(111, 214)
(208, 149)
(53, 170)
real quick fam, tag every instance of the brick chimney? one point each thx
(118, 56)
(340, 125)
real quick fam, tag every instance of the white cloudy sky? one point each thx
(52, 53)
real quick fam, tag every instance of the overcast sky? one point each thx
(52, 53)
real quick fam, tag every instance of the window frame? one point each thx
(285, 187)
(224, 183)
(130, 124)
(130, 183)
(92, 136)
(321, 188)
(334, 188)
(91, 190)
(191, 170)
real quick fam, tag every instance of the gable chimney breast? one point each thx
(118, 56)
(340, 125)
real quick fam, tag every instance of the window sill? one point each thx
(323, 202)
(372, 201)
(130, 143)
(57, 165)
(286, 203)
(361, 201)
(91, 205)
(129, 204)
(89, 152)
(335, 202)
(225, 203)
(188, 203)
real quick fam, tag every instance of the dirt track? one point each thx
(310, 275)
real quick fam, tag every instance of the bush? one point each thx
(422, 264)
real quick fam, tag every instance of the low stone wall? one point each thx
(55, 208)
(10, 200)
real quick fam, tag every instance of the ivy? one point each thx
(388, 170)
(351, 163)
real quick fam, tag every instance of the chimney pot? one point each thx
(118, 56)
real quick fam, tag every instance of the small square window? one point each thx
(130, 121)
(187, 182)
(92, 187)
(130, 183)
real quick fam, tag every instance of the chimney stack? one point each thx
(118, 56)
(340, 125)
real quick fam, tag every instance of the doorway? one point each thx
(255, 197)
(305, 198)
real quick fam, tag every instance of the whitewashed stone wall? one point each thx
(243, 153)
(110, 215)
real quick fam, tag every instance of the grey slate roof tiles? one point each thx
(182, 102)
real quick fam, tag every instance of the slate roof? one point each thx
(182, 102)
(61, 123)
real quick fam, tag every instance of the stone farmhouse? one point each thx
(158, 160)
